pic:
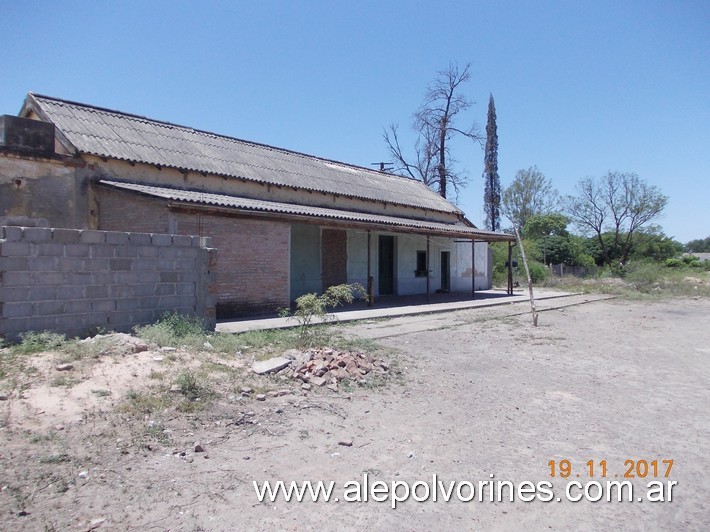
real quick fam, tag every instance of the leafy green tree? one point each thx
(529, 194)
(651, 243)
(701, 245)
(491, 195)
(540, 225)
(554, 242)
(580, 255)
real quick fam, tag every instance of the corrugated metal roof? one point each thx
(116, 135)
(394, 222)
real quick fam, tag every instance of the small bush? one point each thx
(313, 307)
(538, 272)
(36, 342)
(643, 276)
(673, 263)
(187, 382)
(174, 329)
(193, 388)
(181, 325)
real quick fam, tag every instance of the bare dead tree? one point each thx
(619, 203)
(434, 123)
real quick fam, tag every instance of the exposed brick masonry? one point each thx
(334, 257)
(252, 272)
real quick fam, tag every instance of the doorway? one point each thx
(386, 265)
(445, 271)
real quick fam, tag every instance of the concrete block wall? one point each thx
(76, 282)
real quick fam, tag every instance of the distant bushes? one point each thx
(538, 272)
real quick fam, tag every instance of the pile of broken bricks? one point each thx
(322, 367)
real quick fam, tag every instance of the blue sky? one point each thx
(581, 87)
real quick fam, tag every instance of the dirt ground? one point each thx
(491, 395)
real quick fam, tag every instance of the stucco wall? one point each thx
(461, 267)
(357, 257)
(406, 247)
(53, 189)
(305, 260)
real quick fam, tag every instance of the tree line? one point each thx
(613, 214)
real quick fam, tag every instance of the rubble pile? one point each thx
(322, 367)
(328, 367)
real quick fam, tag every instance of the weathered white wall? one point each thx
(461, 267)
(305, 260)
(407, 283)
(406, 247)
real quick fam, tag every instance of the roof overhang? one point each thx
(238, 206)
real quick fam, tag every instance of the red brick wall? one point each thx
(252, 274)
(334, 262)
(126, 211)
(252, 261)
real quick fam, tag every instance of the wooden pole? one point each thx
(533, 310)
(370, 283)
(473, 269)
(427, 269)
(510, 268)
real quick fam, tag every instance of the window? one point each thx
(421, 270)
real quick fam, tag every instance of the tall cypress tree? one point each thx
(491, 194)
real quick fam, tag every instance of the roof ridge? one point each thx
(223, 136)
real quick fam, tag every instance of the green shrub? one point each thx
(538, 271)
(673, 263)
(181, 325)
(195, 390)
(36, 342)
(310, 307)
(175, 329)
(189, 385)
(643, 276)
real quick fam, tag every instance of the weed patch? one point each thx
(37, 342)
(145, 402)
(174, 330)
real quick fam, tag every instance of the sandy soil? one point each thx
(609, 380)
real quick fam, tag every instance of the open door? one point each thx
(386, 265)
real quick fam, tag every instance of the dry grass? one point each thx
(640, 281)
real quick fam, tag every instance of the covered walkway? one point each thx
(394, 306)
